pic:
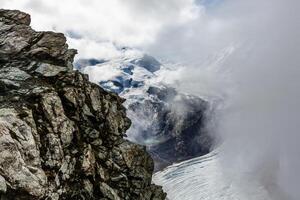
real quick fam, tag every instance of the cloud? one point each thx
(246, 54)
(132, 23)
(259, 121)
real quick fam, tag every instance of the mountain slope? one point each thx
(169, 123)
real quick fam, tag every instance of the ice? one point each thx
(202, 178)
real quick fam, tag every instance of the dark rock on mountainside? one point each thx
(177, 131)
(61, 137)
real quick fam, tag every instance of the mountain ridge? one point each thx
(61, 136)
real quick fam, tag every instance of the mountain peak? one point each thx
(14, 17)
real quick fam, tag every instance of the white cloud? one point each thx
(127, 23)
(91, 49)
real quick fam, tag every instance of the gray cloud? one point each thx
(246, 53)
(259, 122)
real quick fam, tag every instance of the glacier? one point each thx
(202, 178)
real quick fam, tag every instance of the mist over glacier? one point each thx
(258, 120)
(241, 54)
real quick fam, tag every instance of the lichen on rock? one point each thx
(61, 137)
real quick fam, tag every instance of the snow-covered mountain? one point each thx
(170, 124)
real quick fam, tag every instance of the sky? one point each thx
(99, 28)
(244, 52)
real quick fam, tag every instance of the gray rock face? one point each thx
(61, 137)
(176, 130)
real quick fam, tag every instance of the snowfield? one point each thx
(202, 179)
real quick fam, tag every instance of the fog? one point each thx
(251, 65)
(259, 122)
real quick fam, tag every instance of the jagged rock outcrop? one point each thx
(61, 137)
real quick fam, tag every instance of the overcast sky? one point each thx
(98, 27)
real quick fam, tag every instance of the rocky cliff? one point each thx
(61, 137)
